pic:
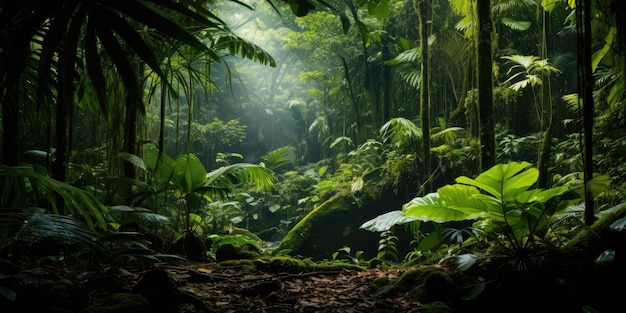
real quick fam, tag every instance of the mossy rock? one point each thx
(599, 236)
(245, 232)
(191, 246)
(435, 307)
(424, 284)
(229, 251)
(334, 224)
(286, 264)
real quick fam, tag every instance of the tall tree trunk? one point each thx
(583, 23)
(422, 9)
(546, 109)
(59, 165)
(543, 181)
(131, 122)
(485, 88)
(386, 81)
(10, 149)
(130, 140)
(10, 119)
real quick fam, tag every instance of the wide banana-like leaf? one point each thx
(189, 173)
(504, 181)
(538, 195)
(160, 164)
(431, 207)
(386, 221)
(465, 199)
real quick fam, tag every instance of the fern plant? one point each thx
(387, 246)
(278, 158)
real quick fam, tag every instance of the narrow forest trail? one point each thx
(208, 287)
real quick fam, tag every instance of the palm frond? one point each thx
(226, 40)
(29, 225)
(77, 202)
(401, 132)
(278, 158)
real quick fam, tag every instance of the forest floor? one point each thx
(208, 287)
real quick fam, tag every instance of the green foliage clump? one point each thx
(435, 307)
(501, 206)
(300, 233)
(424, 284)
(590, 238)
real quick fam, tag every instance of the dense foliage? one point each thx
(148, 130)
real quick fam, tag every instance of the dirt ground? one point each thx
(205, 287)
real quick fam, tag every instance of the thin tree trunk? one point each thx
(583, 22)
(61, 141)
(485, 88)
(386, 81)
(543, 181)
(9, 132)
(422, 17)
(130, 141)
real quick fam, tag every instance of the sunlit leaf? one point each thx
(464, 262)
(386, 221)
(516, 25)
(606, 256)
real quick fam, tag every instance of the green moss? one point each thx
(600, 230)
(230, 251)
(410, 279)
(429, 258)
(381, 282)
(338, 266)
(424, 284)
(120, 303)
(435, 307)
(247, 233)
(296, 237)
(245, 265)
(285, 264)
(437, 286)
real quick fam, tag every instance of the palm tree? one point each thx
(51, 47)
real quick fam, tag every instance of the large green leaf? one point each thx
(504, 181)
(160, 164)
(432, 208)
(386, 221)
(492, 205)
(538, 195)
(461, 198)
(189, 173)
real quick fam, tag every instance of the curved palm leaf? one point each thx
(402, 133)
(278, 157)
(78, 202)
(222, 179)
(33, 224)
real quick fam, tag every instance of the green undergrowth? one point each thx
(425, 284)
(285, 264)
